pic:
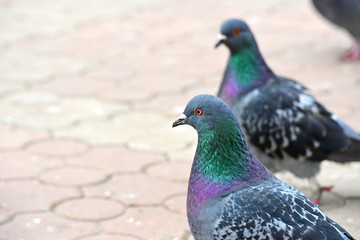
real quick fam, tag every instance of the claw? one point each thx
(353, 54)
(320, 191)
(326, 189)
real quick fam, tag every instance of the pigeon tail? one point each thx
(350, 154)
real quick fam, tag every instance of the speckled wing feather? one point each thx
(273, 210)
(282, 120)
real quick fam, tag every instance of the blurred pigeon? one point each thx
(285, 126)
(232, 196)
(345, 14)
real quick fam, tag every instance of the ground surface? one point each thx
(88, 92)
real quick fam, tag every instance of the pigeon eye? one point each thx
(237, 31)
(198, 112)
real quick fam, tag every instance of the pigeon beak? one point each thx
(180, 121)
(221, 39)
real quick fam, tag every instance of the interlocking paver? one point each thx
(176, 203)
(57, 148)
(38, 226)
(90, 209)
(89, 91)
(73, 176)
(12, 137)
(163, 139)
(44, 111)
(136, 189)
(117, 130)
(115, 159)
(15, 196)
(148, 223)
(32, 68)
(19, 164)
(109, 236)
(175, 171)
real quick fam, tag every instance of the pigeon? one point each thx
(232, 196)
(285, 126)
(345, 14)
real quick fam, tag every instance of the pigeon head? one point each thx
(206, 112)
(222, 159)
(236, 35)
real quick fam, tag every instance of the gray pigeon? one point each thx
(232, 196)
(287, 129)
(345, 14)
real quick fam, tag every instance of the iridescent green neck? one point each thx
(222, 162)
(246, 70)
(223, 155)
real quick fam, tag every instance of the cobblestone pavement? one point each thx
(89, 90)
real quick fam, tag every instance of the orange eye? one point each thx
(198, 112)
(237, 31)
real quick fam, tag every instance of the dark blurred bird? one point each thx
(232, 196)
(345, 14)
(285, 126)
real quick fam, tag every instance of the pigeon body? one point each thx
(232, 196)
(286, 128)
(345, 14)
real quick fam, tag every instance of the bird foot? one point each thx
(320, 191)
(353, 54)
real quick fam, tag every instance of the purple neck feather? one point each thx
(201, 189)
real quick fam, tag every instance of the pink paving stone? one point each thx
(75, 85)
(175, 103)
(36, 226)
(174, 171)
(73, 176)
(141, 88)
(39, 197)
(90, 209)
(136, 189)
(11, 137)
(151, 223)
(109, 236)
(24, 164)
(58, 148)
(97, 40)
(115, 159)
(176, 203)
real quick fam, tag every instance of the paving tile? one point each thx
(145, 223)
(7, 87)
(32, 68)
(183, 155)
(40, 196)
(164, 139)
(16, 165)
(11, 137)
(57, 148)
(41, 110)
(90, 209)
(115, 159)
(136, 189)
(342, 177)
(175, 171)
(71, 176)
(109, 236)
(48, 18)
(176, 203)
(117, 131)
(74, 86)
(45, 226)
